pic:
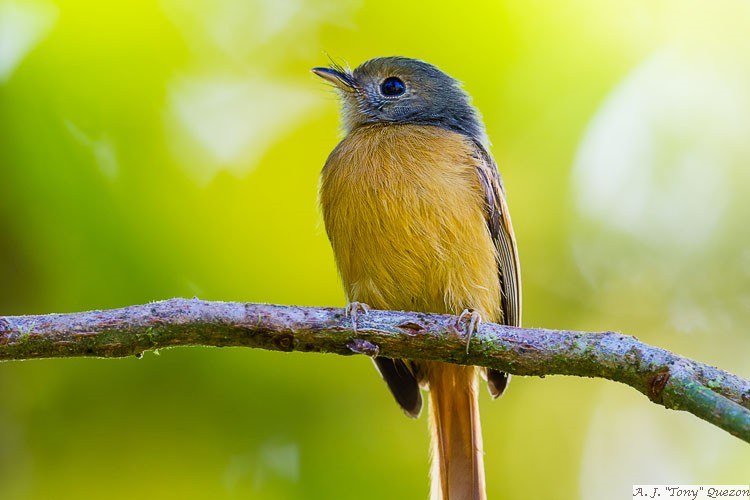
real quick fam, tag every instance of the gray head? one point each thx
(403, 90)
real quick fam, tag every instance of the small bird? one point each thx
(414, 207)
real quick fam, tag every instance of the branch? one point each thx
(667, 379)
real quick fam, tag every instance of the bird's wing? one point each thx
(508, 267)
(501, 230)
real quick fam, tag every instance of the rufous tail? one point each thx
(457, 456)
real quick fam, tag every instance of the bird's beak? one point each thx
(340, 79)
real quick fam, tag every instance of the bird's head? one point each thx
(401, 90)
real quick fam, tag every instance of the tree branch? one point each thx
(667, 379)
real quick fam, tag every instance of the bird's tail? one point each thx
(457, 456)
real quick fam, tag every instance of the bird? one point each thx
(415, 210)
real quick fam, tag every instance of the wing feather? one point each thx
(501, 230)
(508, 267)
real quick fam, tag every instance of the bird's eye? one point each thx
(392, 87)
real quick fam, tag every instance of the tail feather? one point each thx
(402, 382)
(497, 382)
(457, 462)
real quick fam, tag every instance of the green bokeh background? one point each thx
(171, 148)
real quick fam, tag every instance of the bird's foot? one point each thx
(354, 309)
(471, 320)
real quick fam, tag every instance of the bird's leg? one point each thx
(353, 309)
(473, 319)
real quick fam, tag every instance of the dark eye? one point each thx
(392, 86)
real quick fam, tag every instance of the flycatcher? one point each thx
(415, 210)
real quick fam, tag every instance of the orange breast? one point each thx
(404, 210)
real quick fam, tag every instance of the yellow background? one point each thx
(171, 148)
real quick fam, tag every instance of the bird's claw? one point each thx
(353, 309)
(472, 326)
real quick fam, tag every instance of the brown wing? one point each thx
(508, 267)
(501, 230)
